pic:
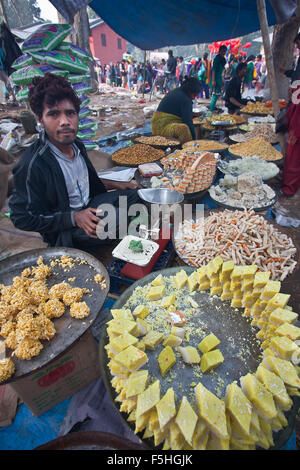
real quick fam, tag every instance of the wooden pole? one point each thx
(144, 73)
(3, 12)
(262, 14)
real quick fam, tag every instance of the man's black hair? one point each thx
(259, 56)
(170, 52)
(240, 66)
(223, 47)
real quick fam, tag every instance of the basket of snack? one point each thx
(256, 146)
(158, 141)
(137, 154)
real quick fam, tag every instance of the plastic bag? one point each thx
(90, 145)
(81, 88)
(75, 51)
(25, 76)
(46, 38)
(22, 94)
(23, 61)
(62, 60)
(86, 134)
(87, 124)
(84, 101)
(84, 112)
(78, 78)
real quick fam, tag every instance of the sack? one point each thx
(90, 145)
(87, 124)
(84, 112)
(22, 95)
(84, 101)
(86, 134)
(81, 88)
(46, 38)
(78, 78)
(282, 122)
(62, 60)
(27, 74)
(75, 51)
(23, 61)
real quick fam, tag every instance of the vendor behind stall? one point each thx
(233, 96)
(174, 115)
(56, 188)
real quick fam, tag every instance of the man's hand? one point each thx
(86, 220)
(120, 185)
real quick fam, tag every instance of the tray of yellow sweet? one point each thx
(204, 359)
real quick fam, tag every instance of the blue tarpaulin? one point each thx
(157, 23)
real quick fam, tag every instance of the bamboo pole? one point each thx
(262, 14)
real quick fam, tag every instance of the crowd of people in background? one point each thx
(170, 73)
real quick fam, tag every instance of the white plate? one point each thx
(123, 252)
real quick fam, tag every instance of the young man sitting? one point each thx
(56, 188)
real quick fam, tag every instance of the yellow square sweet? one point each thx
(153, 420)
(275, 385)
(237, 294)
(261, 278)
(227, 268)
(208, 343)
(148, 399)
(172, 340)
(193, 281)
(186, 419)
(166, 409)
(181, 279)
(270, 289)
(137, 382)
(122, 314)
(141, 327)
(226, 286)
(141, 311)
(212, 410)
(176, 438)
(177, 331)
(189, 354)
(141, 421)
(211, 360)
(236, 303)
(235, 285)
(117, 370)
(204, 285)
(291, 331)
(131, 358)
(278, 301)
(152, 339)
(247, 284)
(128, 405)
(168, 301)
(156, 292)
(158, 281)
(280, 316)
(166, 360)
(284, 346)
(261, 398)
(239, 407)
(201, 272)
(119, 327)
(200, 430)
(122, 342)
(216, 289)
(227, 295)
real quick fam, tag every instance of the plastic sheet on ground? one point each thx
(113, 142)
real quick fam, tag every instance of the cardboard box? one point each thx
(60, 378)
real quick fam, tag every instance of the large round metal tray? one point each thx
(256, 209)
(175, 145)
(68, 329)
(238, 344)
(135, 164)
(222, 169)
(233, 155)
(91, 440)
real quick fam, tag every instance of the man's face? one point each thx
(243, 72)
(60, 122)
(222, 52)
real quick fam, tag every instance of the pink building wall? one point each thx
(109, 52)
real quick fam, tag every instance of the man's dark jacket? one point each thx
(40, 201)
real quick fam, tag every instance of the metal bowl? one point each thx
(161, 196)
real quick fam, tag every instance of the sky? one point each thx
(48, 11)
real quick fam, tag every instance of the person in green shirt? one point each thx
(216, 83)
(250, 72)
